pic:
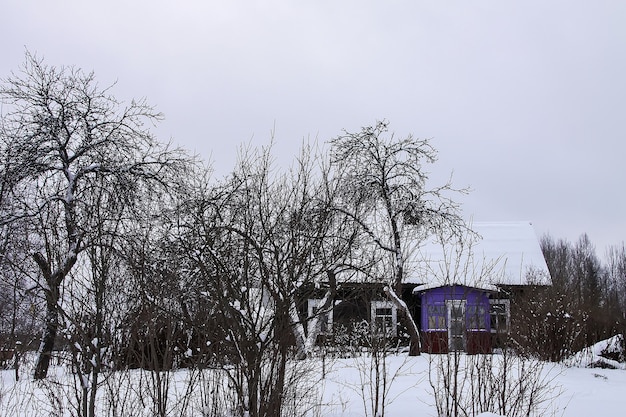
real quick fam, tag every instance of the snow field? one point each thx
(317, 388)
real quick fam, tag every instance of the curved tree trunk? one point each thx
(405, 317)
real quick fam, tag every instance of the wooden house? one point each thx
(458, 293)
(464, 291)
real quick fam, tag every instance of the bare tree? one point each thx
(70, 140)
(385, 179)
(616, 276)
(255, 244)
(580, 308)
(93, 311)
(19, 314)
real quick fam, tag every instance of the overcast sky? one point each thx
(525, 101)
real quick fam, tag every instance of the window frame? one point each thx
(376, 305)
(442, 317)
(506, 315)
(476, 317)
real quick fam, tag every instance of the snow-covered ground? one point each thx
(576, 391)
(341, 387)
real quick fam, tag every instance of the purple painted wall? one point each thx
(434, 304)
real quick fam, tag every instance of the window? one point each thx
(325, 318)
(384, 317)
(437, 317)
(500, 316)
(476, 317)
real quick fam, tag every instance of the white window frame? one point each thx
(377, 304)
(507, 309)
(312, 306)
(457, 306)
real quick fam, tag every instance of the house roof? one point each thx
(503, 253)
(427, 287)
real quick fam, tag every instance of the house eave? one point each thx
(481, 287)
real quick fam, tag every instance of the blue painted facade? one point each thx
(467, 307)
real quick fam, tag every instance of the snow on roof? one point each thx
(426, 287)
(503, 253)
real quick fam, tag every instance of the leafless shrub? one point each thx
(466, 385)
(303, 392)
(376, 376)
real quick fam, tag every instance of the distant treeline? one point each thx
(585, 304)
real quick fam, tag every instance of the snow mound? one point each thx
(607, 353)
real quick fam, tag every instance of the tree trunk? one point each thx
(404, 315)
(274, 404)
(314, 325)
(53, 281)
(47, 340)
(297, 329)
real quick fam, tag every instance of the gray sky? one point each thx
(525, 101)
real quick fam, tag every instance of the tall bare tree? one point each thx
(255, 243)
(70, 141)
(386, 178)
